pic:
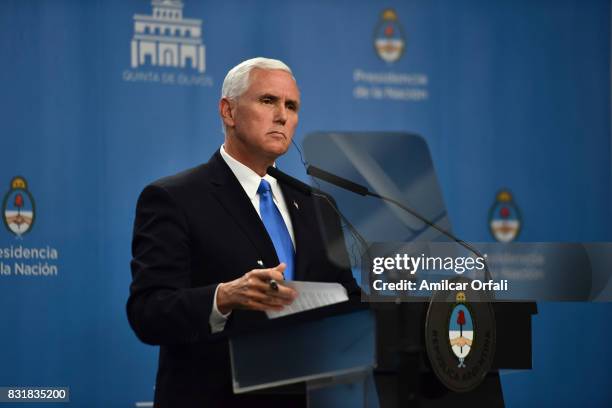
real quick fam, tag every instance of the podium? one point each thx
(331, 350)
(404, 376)
(367, 356)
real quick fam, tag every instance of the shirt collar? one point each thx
(248, 179)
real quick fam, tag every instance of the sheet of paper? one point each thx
(311, 295)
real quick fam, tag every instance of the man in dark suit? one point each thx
(208, 241)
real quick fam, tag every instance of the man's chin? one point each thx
(277, 150)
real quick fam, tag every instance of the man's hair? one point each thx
(237, 80)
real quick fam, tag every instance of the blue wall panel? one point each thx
(517, 95)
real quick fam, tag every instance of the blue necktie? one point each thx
(275, 225)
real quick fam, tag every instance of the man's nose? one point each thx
(280, 114)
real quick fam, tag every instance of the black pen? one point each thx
(273, 283)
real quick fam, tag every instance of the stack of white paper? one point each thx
(310, 296)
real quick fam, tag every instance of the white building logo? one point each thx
(166, 39)
(166, 48)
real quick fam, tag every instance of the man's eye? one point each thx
(266, 100)
(292, 107)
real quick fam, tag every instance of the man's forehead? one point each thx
(272, 81)
(270, 72)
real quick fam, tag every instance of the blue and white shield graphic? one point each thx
(389, 38)
(18, 208)
(504, 218)
(461, 332)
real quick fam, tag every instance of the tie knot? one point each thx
(264, 187)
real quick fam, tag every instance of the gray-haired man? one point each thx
(207, 242)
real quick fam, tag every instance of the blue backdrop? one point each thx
(509, 94)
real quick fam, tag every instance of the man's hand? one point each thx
(252, 291)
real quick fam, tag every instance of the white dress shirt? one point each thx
(249, 180)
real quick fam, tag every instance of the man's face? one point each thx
(266, 114)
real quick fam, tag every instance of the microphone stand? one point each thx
(362, 190)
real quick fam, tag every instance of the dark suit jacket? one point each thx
(192, 231)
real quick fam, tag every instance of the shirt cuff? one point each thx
(217, 319)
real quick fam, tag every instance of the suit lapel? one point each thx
(228, 191)
(297, 212)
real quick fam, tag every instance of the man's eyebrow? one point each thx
(271, 96)
(268, 95)
(294, 102)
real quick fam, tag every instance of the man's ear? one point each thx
(226, 111)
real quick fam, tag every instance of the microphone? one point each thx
(287, 179)
(363, 190)
(337, 180)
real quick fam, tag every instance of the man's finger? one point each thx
(267, 274)
(281, 268)
(263, 286)
(284, 292)
(267, 298)
(253, 304)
